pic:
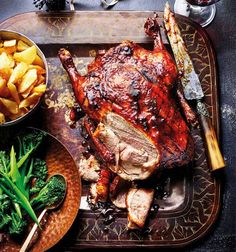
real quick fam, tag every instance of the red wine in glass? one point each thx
(202, 2)
(200, 11)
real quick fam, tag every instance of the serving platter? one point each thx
(193, 201)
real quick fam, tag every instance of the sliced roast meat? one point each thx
(93, 196)
(136, 156)
(89, 169)
(138, 203)
(118, 191)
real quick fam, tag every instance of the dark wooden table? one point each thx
(222, 236)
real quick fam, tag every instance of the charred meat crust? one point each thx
(136, 85)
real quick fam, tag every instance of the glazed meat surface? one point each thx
(132, 115)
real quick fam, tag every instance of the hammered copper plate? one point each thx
(193, 204)
(58, 222)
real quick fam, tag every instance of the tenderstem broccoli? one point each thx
(50, 194)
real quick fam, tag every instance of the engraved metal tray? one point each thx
(193, 203)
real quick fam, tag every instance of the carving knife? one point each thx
(192, 87)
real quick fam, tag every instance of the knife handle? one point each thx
(215, 157)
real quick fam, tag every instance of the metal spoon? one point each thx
(55, 205)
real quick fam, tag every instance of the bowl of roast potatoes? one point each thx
(23, 77)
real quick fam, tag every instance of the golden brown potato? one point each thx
(9, 43)
(20, 113)
(41, 79)
(10, 46)
(2, 84)
(27, 56)
(41, 88)
(28, 79)
(5, 73)
(18, 72)
(38, 61)
(39, 69)
(13, 91)
(30, 101)
(27, 91)
(4, 61)
(22, 79)
(4, 92)
(21, 46)
(2, 118)
(10, 105)
(12, 61)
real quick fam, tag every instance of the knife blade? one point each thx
(192, 86)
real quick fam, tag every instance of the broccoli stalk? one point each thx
(50, 194)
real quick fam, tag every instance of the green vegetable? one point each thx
(4, 208)
(27, 144)
(10, 219)
(39, 172)
(39, 184)
(22, 175)
(18, 209)
(16, 172)
(40, 169)
(17, 224)
(5, 219)
(4, 161)
(18, 195)
(50, 194)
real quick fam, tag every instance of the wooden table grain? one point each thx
(222, 34)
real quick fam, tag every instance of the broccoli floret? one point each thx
(29, 141)
(39, 172)
(17, 224)
(10, 221)
(51, 193)
(5, 219)
(39, 184)
(5, 204)
(4, 161)
(40, 169)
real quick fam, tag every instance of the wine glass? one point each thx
(200, 11)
